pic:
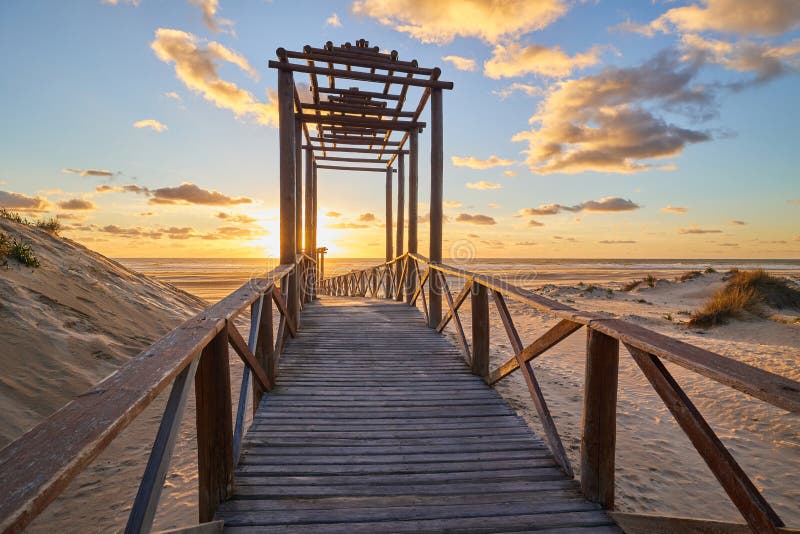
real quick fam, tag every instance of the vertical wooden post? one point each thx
(212, 386)
(599, 434)
(413, 197)
(387, 280)
(308, 235)
(286, 133)
(298, 212)
(437, 170)
(265, 349)
(401, 199)
(480, 330)
(317, 274)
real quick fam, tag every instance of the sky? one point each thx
(575, 128)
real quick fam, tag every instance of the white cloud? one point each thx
(333, 21)
(475, 163)
(512, 60)
(212, 20)
(483, 184)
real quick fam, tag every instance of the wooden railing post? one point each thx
(212, 385)
(436, 213)
(288, 197)
(480, 330)
(413, 194)
(265, 348)
(599, 434)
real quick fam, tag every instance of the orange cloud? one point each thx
(150, 123)
(444, 20)
(483, 184)
(76, 204)
(475, 163)
(674, 209)
(763, 17)
(188, 193)
(196, 66)
(513, 60)
(475, 219)
(461, 63)
(212, 21)
(21, 202)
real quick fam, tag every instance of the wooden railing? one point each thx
(38, 466)
(403, 279)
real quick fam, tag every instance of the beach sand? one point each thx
(657, 467)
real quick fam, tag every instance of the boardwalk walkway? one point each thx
(376, 425)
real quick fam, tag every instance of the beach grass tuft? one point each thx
(746, 291)
(650, 280)
(630, 286)
(690, 275)
(19, 250)
(50, 224)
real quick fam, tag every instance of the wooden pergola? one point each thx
(353, 118)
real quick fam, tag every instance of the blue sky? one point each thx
(79, 75)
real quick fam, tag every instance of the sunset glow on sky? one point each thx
(575, 129)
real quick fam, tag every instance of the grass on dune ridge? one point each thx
(746, 291)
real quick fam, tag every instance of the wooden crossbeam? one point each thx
(365, 169)
(360, 76)
(240, 347)
(562, 330)
(354, 150)
(356, 91)
(353, 60)
(462, 296)
(356, 109)
(339, 120)
(456, 319)
(351, 160)
(280, 301)
(349, 140)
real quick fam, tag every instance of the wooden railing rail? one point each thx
(604, 335)
(38, 466)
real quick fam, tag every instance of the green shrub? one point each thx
(20, 251)
(710, 270)
(13, 216)
(650, 280)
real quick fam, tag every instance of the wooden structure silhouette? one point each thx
(372, 423)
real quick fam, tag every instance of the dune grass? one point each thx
(49, 224)
(746, 291)
(19, 250)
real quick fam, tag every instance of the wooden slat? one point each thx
(342, 168)
(279, 297)
(459, 300)
(241, 348)
(741, 490)
(462, 338)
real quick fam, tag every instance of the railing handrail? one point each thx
(764, 385)
(38, 466)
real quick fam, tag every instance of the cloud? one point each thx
(189, 193)
(533, 223)
(744, 17)
(475, 219)
(737, 223)
(348, 226)
(616, 242)
(452, 204)
(88, 172)
(530, 90)
(442, 21)
(150, 123)
(22, 202)
(494, 205)
(367, 217)
(674, 209)
(131, 232)
(131, 188)
(212, 21)
(473, 236)
(483, 184)
(196, 66)
(333, 214)
(174, 96)
(513, 60)
(604, 205)
(509, 173)
(601, 123)
(696, 230)
(793, 201)
(524, 243)
(461, 63)
(426, 219)
(76, 204)
(559, 238)
(134, 3)
(475, 163)
(333, 21)
(234, 218)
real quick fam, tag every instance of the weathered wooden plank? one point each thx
(658, 524)
(212, 527)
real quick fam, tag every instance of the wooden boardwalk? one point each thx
(377, 425)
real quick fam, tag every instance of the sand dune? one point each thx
(70, 322)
